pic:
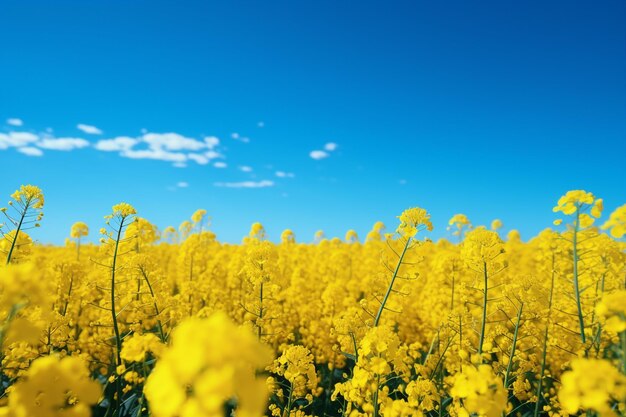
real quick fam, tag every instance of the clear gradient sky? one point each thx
(493, 109)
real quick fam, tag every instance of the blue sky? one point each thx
(493, 109)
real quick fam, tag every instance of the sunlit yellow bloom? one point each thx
(616, 223)
(54, 387)
(593, 385)
(412, 221)
(79, 229)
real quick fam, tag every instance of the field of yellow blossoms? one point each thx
(174, 323)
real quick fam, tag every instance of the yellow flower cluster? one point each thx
(593, 385)
(53, 387)
(179, 324)
(29, 195)
(210, 361)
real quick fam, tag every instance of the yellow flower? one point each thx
(54, 387)
(592, 384)
(198, 215)
(135, 348)
(122, 210)
(616, 222)
(351, 236)
(29, 196)
(612, 308)
(496, 224)
(572, 201)
(412, 221)
(79, 229)
(209, 362)
(480, 390)
(287, 236)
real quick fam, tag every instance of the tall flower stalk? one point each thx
(26, 204)
(123, 215)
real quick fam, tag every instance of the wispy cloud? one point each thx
(282, 174)
(182, 184)
(169, 147)
(246, 184)
(328, 149)
(63, 144)
(30, 151)
(330, 146)
(237, 136)
(156, 154)
(17, 139)
(118, 144)
(245, 168)
(319, 154)
(14, 121)
(220, 164)
(89, 129)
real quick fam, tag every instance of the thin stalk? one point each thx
(452, 295)
(393, 279)
(376, 396)
(116, 330)
(17, 232)
(581, 320)
(260, 326)
(287, 410)
(509, 367)
(485, 301)
(69, 294)
(545, 344)
(156, 306)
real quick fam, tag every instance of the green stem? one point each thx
(509, 367)
(393, 279)
(116, 330)
(260, 326)
(376, 396)
(485, 301)
(545, 344)
(581, 320)
(156, 306)
(17, 232)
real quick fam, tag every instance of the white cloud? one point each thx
(14, 121)
(157, 154)
(182, 184)
(120, 143)
(163, 147)
(62, 144)
(282, 174)
(246, 184)
(172, 142)
(199, 158)
(213, 155)
(245, 168)
(318, 154)
(89, 129)
(211, 141)
(240, 138)
(17, 139)
(330, 146)
(169, 147)
(30, 151)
